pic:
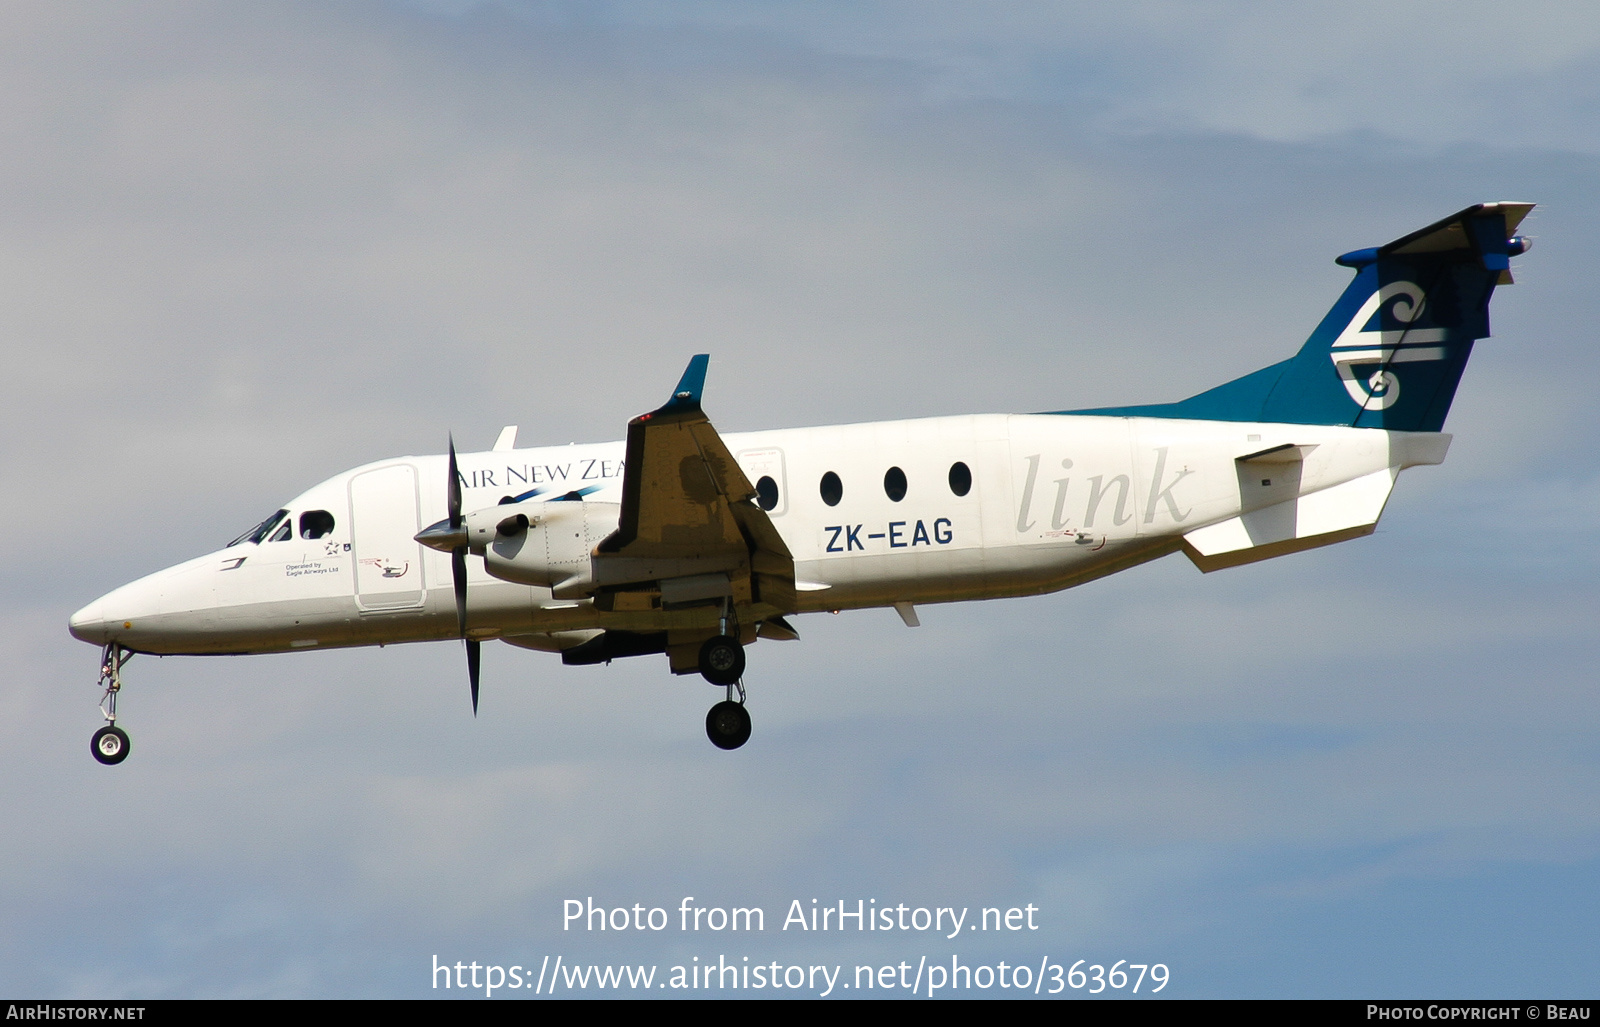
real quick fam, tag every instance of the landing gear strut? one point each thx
(110, 743)
(722, 663)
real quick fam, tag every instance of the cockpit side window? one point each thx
(285, 532)
(260, 531)
(316, 523)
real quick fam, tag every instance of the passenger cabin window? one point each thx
(316, 523)
(256, 534)
(832, 489)
(894, 484)
(285, 533)
(767, 493)
(960, 478)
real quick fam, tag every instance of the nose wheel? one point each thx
(110, 744)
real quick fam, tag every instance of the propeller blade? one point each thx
(458, 570)
(453, 489)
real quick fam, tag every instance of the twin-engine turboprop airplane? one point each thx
(693, 544)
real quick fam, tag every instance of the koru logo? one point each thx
(1353, 346)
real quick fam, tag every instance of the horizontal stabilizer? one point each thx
(1456, 234)
(1287, 453)
(1321, 518)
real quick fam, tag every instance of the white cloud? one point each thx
(1422, 71)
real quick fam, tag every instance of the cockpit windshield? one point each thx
(260, 531)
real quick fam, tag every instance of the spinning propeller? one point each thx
(451, 535)
(458, 571)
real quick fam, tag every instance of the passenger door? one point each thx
(384, 519)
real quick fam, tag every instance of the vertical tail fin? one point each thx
(1391, 351)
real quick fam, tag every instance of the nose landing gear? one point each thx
(110, 743)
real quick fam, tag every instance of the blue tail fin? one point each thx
(1391, 351)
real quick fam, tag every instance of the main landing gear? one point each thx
(722, 660)
(722, 663)
(110, 743)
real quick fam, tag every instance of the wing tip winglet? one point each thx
(687, 395)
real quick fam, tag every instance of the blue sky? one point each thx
(248, 246)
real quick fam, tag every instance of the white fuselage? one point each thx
(1055, 500)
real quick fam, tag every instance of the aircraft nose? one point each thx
(170, 608)
(89, 623)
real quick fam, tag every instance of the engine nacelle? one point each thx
(542, 543)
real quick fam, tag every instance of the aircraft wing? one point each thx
(688, 520)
